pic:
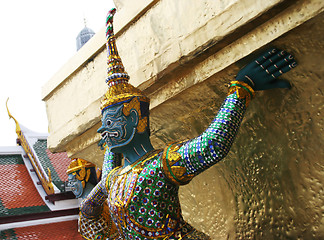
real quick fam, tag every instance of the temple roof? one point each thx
(18, 194)
(57, 163)
(59, 230)
(84, 36)
(46, 169)
(32, 190)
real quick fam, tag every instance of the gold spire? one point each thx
(119, 90)
(18, 130)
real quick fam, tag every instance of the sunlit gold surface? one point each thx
(271, 185)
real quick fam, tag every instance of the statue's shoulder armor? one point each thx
(109, 177)
(172, 165)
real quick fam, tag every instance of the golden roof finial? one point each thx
(18, 130)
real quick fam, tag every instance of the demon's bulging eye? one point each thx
(109, 123)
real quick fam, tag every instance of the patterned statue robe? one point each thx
(143, 198)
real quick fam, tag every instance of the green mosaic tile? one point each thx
(40, 148)
(4, 212)
(11, 159)
(8, 234)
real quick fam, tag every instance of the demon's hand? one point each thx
(262, 73)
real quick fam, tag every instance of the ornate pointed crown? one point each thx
(119, 90)
(78, 164)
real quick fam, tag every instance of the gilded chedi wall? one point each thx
(183, 54)
(270, 186)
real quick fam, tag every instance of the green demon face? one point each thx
(118, 130)
(75, 185)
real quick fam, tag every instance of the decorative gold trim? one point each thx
(18, 130)
(174, 173)
(79, 164)
(135, 104)
(107, 185)
(100, 226)
(46, 180)
(243, 92)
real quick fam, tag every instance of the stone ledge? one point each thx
(180, 73)
(163, 99)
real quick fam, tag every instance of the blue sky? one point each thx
(37, 38)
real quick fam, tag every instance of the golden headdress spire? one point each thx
(119, 90)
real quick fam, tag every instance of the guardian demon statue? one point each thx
(142, 195)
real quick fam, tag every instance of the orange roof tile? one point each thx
(57, 231)
(60, 162)
(57, 162)
(16, 187)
